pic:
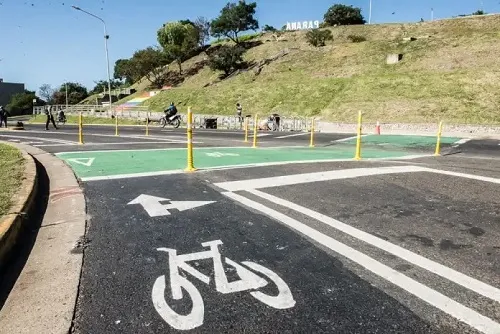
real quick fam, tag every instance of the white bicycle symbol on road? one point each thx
(248, 281)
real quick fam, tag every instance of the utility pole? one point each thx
(66, 87)
(370, 13)
(432, 14)
(106, 37)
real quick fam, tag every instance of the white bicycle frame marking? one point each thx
(248, 281)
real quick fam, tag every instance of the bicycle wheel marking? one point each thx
(181, 287)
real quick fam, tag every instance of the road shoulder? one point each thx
(44, 296)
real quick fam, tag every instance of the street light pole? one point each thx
(66, 87)
(370, 13)
(106, 37)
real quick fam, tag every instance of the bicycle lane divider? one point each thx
(130, 163)
(267, 278)
(432, 297)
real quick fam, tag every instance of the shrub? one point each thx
(343, 15)
(268, 28)
(356, 38)
(227, 59)
(246, 38)
(317, 37)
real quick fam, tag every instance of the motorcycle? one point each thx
(174, 120)
(61, 119)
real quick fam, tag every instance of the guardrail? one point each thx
(232, 122)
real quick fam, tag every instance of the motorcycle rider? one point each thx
(170, 111)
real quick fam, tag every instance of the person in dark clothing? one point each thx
(170, 111)
(50, 117)
(3, 116)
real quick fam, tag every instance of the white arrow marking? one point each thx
(186, 205)
(83, 161)
(154, 208)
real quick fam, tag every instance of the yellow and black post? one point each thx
(80, 129)
(311, 144)
(190, 163)
(358, 140)
(438, 141)
(255, 125)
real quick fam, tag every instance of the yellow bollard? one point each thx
(312, 133)
(358, 141)
(246, 129)
(116, 125)
(80, 129)
(190, 163)
(255, 131)
(438, 141)
(147, 124)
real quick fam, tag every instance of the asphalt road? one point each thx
(388, 246)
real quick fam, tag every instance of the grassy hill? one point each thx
(450, 72)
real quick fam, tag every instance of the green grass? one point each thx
(447, 76)
(11, 170)
(91, 120)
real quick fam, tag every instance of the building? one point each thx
(8, 89)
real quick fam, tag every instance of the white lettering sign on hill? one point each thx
(302, 25)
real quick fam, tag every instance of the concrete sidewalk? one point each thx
(44, 295)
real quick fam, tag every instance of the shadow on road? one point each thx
(20, 253)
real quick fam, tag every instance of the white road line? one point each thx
(39, 138)
(346, 139)
(54, 145)
(467, 176)
(294, 135)
(432, 297)
(418, 260)
(156, 149)
(110, 135)
(127, 176)
(210, 169)
(286, 180)
(462, 141)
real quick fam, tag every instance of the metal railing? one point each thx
(141, 114)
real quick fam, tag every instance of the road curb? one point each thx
(44, 296)
(24, 200)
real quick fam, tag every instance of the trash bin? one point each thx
(210, 123)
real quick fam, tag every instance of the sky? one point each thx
(47, 41)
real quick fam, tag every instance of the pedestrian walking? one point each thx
(3, 116)
(50, 117)
(239, 110)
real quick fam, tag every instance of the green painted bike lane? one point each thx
(403, 140)
(108, 163)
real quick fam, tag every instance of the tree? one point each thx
(20, 103)
(343, 15)
(46, 91)
(268, 28)
(102, 86)
(124, 72)
(76, 93)
(317, 37)
(227, 59)
(178, 40)
(149, 63)
(234, 19)
(203, 26)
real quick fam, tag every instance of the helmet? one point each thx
(171, 103)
